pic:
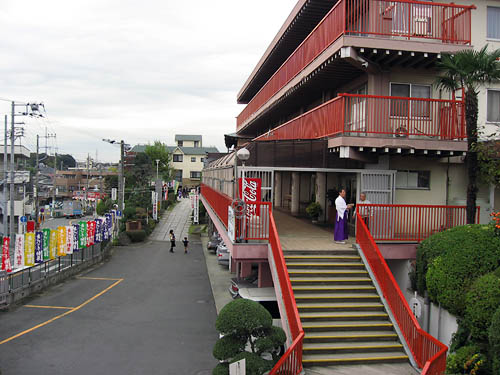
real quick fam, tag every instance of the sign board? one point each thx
(237, 368)
(196, 209)
(231, 224)
(114, 194)
(251, 193)
(24, 219)
(155, 206)
(30, 226)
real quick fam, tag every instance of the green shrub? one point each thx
(494, 341)
(459, 338)
(481, 300)
(221, 369)
(137, 235)
(476, 241)
(314, 210)
(254, 364)
(243, 316)
(129, 213)
(228, 347)
(456, 362)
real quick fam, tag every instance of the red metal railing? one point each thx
(291, 362)
(402, 19)
(218, 201)
(412, 223)
(429, 353)
(359, 115)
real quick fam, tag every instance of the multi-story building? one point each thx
(345, 97)
(77, 183)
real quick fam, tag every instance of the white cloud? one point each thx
(137, 70)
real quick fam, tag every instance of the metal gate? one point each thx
(267, 177)
(378, 186)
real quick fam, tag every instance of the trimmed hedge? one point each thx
(242, 315)
(449, 262)
(137, 235)
(494, 340)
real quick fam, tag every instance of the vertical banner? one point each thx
(82, 237)
(6, 266)
(93, 225)
(89, 233)
(155, 208)
(76, 238)
(69, 239)
(53, 244)
(30, 226)
(19, 252)
(98, 230)
(61, 241)
(106, 230)
(196, 208)
(29, 249)
(46, 244)
(38, 247)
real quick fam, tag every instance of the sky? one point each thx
(134, 70)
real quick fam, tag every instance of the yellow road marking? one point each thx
(63, 314)
(49, 307)
(97, 278)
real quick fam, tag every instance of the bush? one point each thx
(494, 341)
(475, 240)
(481, 302)
(221, 369)
(243, 316)
(314, 210)
(452, 260)
(464, 360)
(129, 213)
(254, 364)
(136, 235)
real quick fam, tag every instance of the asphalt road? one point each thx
(54, 223)
(145, 311)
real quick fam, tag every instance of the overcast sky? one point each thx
(137, 70)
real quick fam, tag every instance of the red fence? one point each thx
(429, 353)
(291, 362)
(403, 19)
(358, 115)
(412, 223)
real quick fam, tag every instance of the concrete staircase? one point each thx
(343, 318)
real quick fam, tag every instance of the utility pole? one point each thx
(88, 180)
(35, 195)
(5, 179)
(54, 186)
(121, 184)
(12, 169)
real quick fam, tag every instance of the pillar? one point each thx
(277, 189)
(295, 193)
(320, 191)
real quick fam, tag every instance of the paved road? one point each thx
(145, 311)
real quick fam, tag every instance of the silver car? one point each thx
(222, 254)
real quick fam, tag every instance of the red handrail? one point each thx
(400, 19)
(429, 353)
(407, 222)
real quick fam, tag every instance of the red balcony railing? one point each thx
(429, 353)
(410, 223)
(291, 362)
(402, 19)
(360, 115)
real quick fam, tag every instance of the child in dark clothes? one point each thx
(185, 242)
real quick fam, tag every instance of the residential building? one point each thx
(78, 183)
(344, 97)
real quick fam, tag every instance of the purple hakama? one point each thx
(340, 233)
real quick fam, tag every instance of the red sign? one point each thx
(251, 193)
(6, 266)
(30, 226)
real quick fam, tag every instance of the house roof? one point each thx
(184, 150)
(187, 137)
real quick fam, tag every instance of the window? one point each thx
(178, 158)
(195, 175)
(493, 106)
(180, 143)
(406, 179)
(493, 23)
(178, 175)
(202, 160)
(196, 143)
(193, 159)
(399, 107)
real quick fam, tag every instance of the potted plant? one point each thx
(314, 210)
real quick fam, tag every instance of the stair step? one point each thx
(330, 280)
(354, 358)
(354, 307)
(347, 326)
(351, 347)
(309, 272)
(339, 297)
(334, 289)
(318, 258)
(335, 265)
(341, 316)
(350, 336)
(346, 251)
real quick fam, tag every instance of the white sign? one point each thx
(231, 224)
(416, 306)
(19, 251)
(155, 206)
(153, 197)
(196, 209)
(114, 193)
(237, 368)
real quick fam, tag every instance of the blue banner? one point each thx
(76, 234)
(98, 230)
(38, 247)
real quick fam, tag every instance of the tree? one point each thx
(158, 151)
(470, 69)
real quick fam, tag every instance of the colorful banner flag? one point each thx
(38, 247)
(92, 233)
(6, 265)
(46, 244)
(98, 230)
(76, 239)
(69, 239)
(53, 243)
(29, 249)
(89, 233)
(19, 251)
(82, 238)
(61, 241)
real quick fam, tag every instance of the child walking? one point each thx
(185, 242)
(172, 240)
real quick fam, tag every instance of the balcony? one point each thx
(402, 20)
(377, 116)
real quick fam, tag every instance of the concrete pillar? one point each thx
(246, 269)
(295, 193)
(265, 277)
(320, 192)
(277, 189)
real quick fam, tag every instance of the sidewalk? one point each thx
(176, 219)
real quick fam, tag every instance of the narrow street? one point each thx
(145, 311)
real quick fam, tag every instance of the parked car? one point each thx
(222, 254)
(238, 283)
(213, 242)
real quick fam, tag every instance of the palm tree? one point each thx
(470, 69)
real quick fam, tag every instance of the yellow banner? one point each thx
(29, 249)
(53, 243)
(61, 241)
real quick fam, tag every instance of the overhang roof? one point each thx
(184, 150)
(187, 137)
(304, 17)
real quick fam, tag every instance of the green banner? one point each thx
(46, 244)
(82, 238)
